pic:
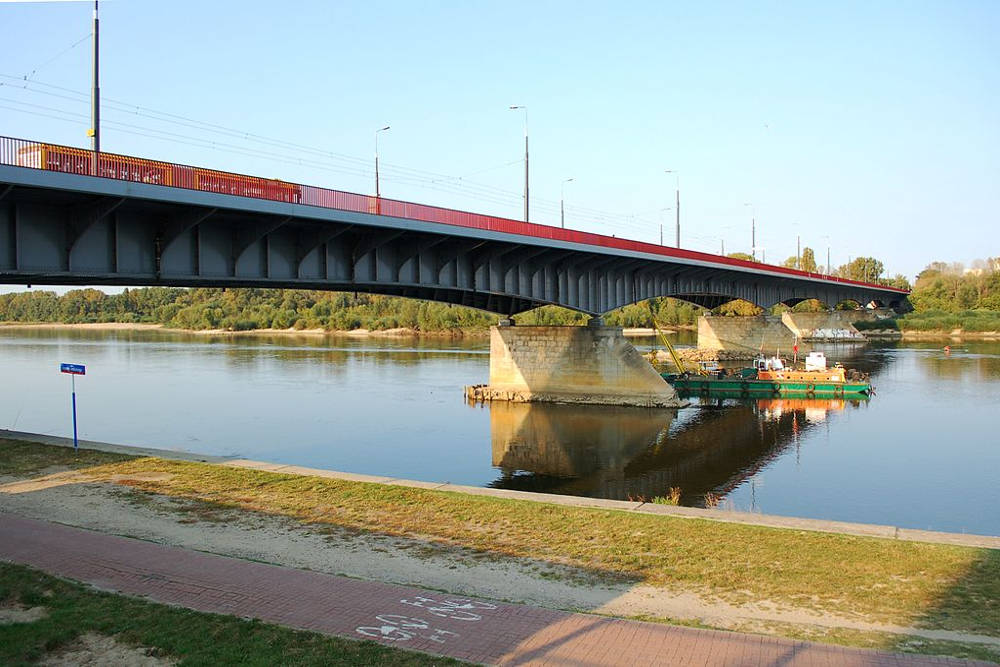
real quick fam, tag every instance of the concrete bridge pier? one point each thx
(747, 334)
(594, 364)
(771, 333)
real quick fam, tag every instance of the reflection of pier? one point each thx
(565, 442)
(626, 453)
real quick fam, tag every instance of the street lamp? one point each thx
(378, 194)
(562, 197)
(525, 109)
(677, 207)
(95, 99)
(753, 230)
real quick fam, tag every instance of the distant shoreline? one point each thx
(357, 333)
(405, 332)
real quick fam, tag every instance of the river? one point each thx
(923, 453)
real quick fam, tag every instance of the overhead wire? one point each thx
(458, 185)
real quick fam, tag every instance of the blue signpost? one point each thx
(73, 370)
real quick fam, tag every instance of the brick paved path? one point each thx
(475, 630)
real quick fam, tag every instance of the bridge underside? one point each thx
(67, 229)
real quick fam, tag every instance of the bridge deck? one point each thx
(65, 159)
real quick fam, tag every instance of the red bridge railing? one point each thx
(53, 157)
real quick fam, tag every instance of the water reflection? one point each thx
(921, 454)
(629, 453)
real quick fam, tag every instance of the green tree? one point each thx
(866, 269)
(808, 261)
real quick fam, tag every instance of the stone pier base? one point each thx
(592, 364)
(749, 335)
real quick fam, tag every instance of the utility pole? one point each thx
(562, 202)
(662, 211)
(829, 271)
(95, 99)
(525, 158)
(378, 192)
(798, 252)
(677, 207)
(753, 230)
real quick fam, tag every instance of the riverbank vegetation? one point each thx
(57, 614)
(249, 309)
(908, 584)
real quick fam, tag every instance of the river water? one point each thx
(923, 453)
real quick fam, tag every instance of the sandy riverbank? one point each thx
(956, 334)
(356, 333)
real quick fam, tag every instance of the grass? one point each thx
(193, 638)
(24, 458)
(939, 320)
(875, 580)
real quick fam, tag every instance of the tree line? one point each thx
(247, 309)
(944, 296)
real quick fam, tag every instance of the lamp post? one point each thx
(562, 197)
(753, 230)
(378, 193)
(677, 205)
(95, 99)
(525, 109)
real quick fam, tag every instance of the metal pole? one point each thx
(753, 237)
(798, 252)
(526, 165)
(378, 193)
(677, 207)
(525, 109)
(828, 270)
(76, 444)
(95, 109)
(562, 197)
(723, 242)
(677, 210)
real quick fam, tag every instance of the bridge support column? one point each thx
(592, 364)
(748, 335)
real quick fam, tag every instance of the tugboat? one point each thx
(770, 377)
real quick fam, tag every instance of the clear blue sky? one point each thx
(876, 125)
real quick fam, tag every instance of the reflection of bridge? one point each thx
(627, 453)
(153, 223)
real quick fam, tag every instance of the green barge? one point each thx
(748, 387)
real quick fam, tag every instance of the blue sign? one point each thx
(73, 369)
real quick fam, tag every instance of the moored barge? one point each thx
(770, 378)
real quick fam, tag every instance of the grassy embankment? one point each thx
(191, 637)
(871, 580)
(969, 323)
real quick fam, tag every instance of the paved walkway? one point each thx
(474, 630)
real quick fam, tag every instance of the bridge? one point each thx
(67, 219)
(69, 216)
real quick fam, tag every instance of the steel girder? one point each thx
(64, 229)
